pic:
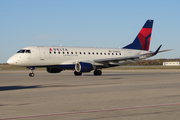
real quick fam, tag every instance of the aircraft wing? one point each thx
(164, 50)
(131, 58)
(117, 59)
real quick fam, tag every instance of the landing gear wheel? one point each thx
(77, 73)
(31, 74)
(97, 72)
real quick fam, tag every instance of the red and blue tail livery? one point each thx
(142, 40)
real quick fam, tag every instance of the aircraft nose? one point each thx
(10, 61)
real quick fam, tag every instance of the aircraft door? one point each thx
(42, 53)
(123, 53)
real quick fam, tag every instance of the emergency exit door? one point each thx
(42, 53)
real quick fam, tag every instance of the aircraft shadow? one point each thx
(6, 88)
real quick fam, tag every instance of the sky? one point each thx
(87, 23)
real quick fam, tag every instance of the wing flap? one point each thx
(117, 59)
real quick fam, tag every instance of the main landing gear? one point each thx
(31, 74)
(77, 73)
(96, 73)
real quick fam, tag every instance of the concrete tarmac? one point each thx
(48, 94)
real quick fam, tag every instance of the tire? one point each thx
(77, 73)
(31, 74)
(97, 72)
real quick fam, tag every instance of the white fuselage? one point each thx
(51, 55)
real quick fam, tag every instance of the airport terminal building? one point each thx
(171, 63)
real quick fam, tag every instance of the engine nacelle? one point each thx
(83, 67)
(53, 70)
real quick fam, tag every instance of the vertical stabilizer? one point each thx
(142, 40)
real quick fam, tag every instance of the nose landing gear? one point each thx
(31, 74)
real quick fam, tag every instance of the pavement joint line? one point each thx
(91, 111)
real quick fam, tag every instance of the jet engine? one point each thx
(83, 67)
(53, 70)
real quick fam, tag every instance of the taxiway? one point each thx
(47, 95)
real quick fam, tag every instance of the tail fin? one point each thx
(142, 40)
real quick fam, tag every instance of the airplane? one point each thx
(83, 60)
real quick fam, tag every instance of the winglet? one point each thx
(156, 50)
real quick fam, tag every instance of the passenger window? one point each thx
(63, 52)
(50, 52)
(67, 52)
(104, 53)
(79, 52)
(93, 53)
(116, 54)
(108, 53)
(59, 52)
(76, 52)
(112, 53)
(119, 53)
(101, 53)
(89, 53)
(54, 52)
(71, 52)
(84, 52)
(97, 53)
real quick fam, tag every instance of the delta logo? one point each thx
(58, 49)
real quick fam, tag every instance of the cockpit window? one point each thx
(24, 51)
(21, 51)
(28, 51)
